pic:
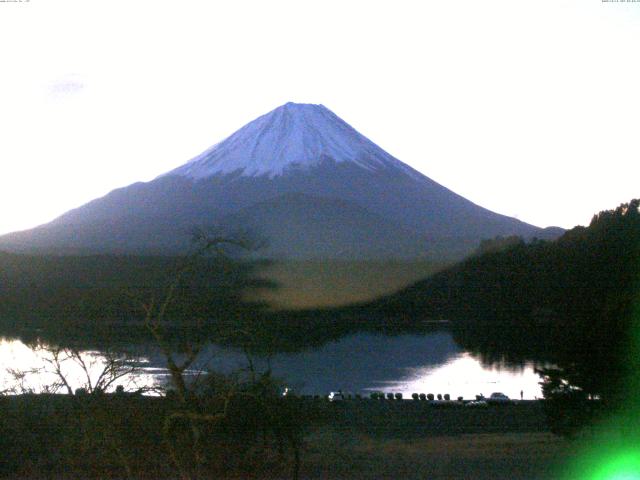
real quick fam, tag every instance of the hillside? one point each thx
(570, 302)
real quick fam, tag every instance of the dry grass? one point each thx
(336, 455)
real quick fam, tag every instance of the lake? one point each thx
(358, 363)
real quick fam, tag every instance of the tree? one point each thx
(74, 370)
(499, 244)
(246, 408)
(156, 313)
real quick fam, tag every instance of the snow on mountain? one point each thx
(303, 180)
(292, 136)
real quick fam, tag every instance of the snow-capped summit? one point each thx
(294, 135)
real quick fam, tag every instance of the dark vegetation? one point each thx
(246, 430)
(97, 301)
(38, 291)
(569, 302)
(205, 426)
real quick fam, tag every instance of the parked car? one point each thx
(498, 398)
(336, 396)
(476, 404)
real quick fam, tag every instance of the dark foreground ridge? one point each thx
(122, 435)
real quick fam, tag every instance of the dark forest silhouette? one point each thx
(569, 302)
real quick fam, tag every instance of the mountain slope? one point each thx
(300, 226)
(299, 166)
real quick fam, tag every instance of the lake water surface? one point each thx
(359, 363)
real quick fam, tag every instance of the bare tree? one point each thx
(156, 312)
(76, 370)
(155, 322)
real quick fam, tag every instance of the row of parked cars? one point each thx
(496, 398)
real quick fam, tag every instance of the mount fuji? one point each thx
(299, 177)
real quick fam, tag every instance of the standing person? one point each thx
(521, 395)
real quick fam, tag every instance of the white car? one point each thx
(336, 396)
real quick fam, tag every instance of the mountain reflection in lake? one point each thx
(360, 363)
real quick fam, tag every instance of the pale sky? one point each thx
(528, 108)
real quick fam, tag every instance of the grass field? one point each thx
(412, 440)
(335, 454)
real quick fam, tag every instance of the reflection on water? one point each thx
(40, 369)
(358, 362)
(464, 376)
(429, 363)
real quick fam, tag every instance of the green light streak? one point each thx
(624, 466)
(612, 450)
